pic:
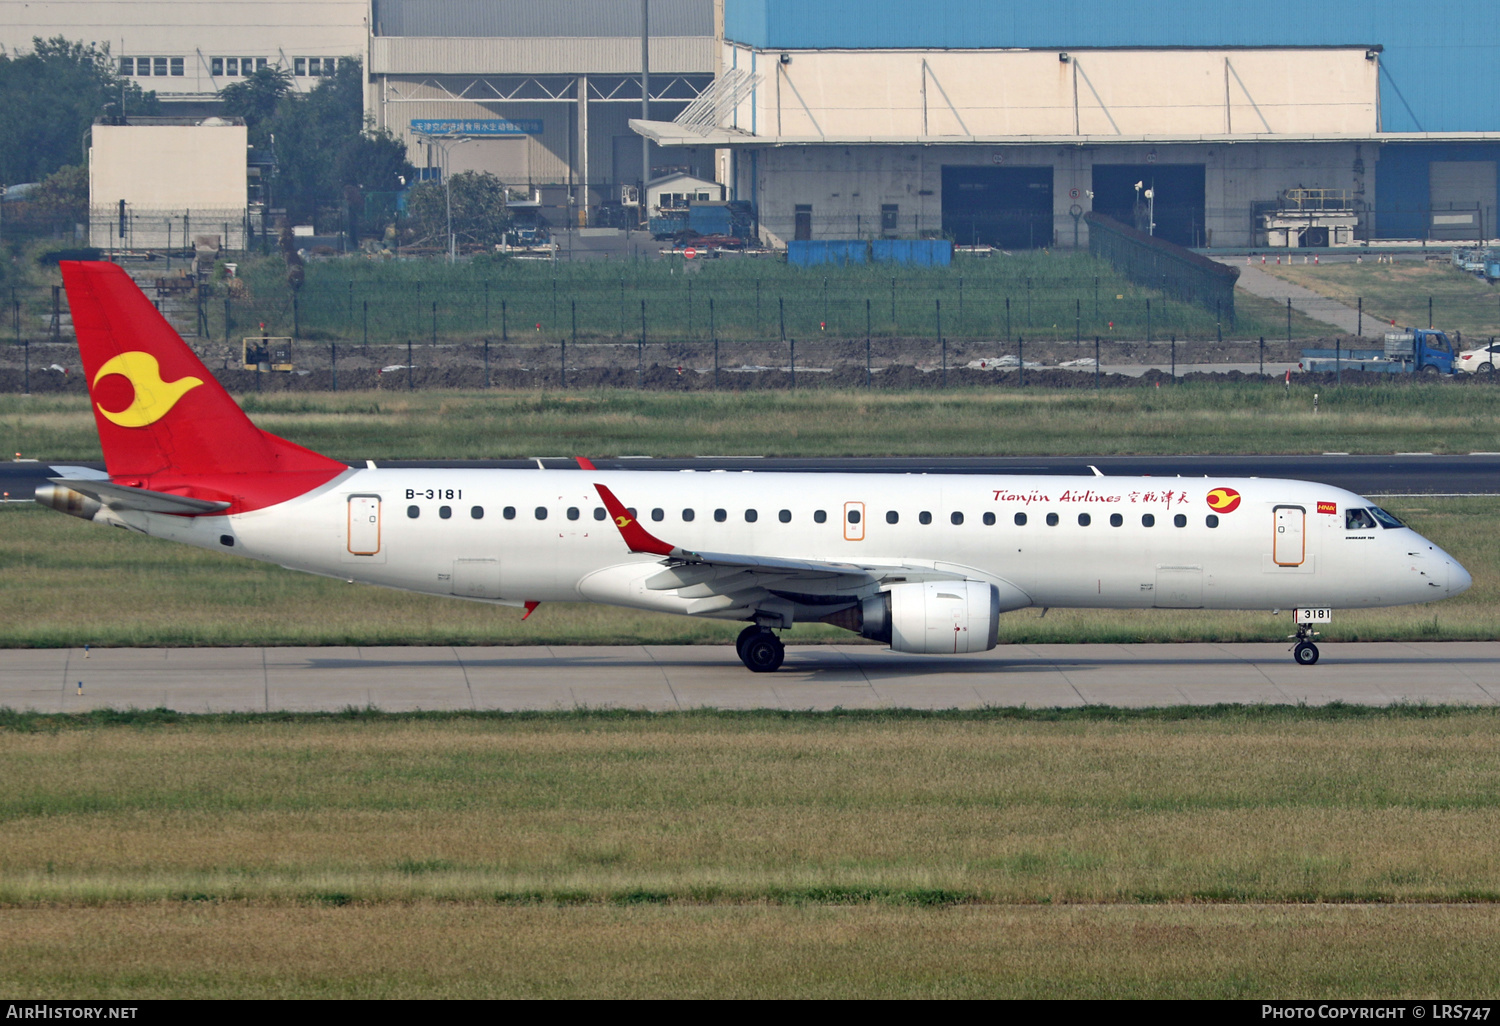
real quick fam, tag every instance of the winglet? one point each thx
(584, 463)
(637, 538)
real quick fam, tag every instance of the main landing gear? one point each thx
(1304, 652)
(760, 649)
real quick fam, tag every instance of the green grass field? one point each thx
(1210, 853)
(1189, 417)
(1035, 295)
(1400, 291)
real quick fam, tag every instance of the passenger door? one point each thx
(364, 525)
(1289, 545)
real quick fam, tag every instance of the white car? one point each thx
(1479, 361)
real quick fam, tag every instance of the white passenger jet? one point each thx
(925, 563)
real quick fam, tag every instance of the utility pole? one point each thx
(645, 101)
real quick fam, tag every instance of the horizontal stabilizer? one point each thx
(144, 500)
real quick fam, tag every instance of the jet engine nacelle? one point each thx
(935, 617)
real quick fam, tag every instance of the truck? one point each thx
(1409, 351)
(703, 218)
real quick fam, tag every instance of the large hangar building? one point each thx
(999, 123)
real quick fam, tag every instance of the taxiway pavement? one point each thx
(681, 677)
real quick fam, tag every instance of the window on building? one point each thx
(177, 67)
(216, 66)
(232, 66)
(890, 213)
(299, 66)
(260, 63)
(159, 67)
(127, 65)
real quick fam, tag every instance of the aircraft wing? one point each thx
(724, 581)
(141, 499)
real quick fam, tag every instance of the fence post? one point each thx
(486, 308)
(434, 322)
(26, 347)
(1429, 311)
(1007, 318)
(713, 336)
(226, 318)
(794, 363)
(1021, 358)
(1288, 320)
(1263, 356)
(486, 361)
(408, 363)
(689, 302)
(296, 318)
(1028, 301)
(893, 305)
(1174, 357)
(504, 335)
(573, 309)
(942, 342)
(1096, 362)
(56, 313)
(867, 343)
(1077, 321)
(757, 308)
(333, 363)
(1359, 323)
(622, 309)
(554, 299)
(366, 304)
(1218, 321)
(1096, 297)
(781, 315)
(1148, 320)
(640, 352)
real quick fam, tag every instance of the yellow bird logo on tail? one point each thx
(154, 398)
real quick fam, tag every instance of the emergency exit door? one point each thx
(364, 525)
(1289, 547)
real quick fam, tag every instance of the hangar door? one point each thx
(1180, 206)
(1010, 207)
(1463, 199)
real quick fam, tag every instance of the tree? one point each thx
(480, 216)
(257, 99)
(62, 196)
(50, 97)
(323, 145)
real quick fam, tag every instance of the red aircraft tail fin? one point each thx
(159, 410)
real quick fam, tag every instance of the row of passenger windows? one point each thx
(819, 516)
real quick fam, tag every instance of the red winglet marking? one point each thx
(637, 538)
(530, 608)
(584, 463)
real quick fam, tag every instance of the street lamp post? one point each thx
(444, 145)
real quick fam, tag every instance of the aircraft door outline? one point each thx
(364, 525)
(1289, 543)
(854, 521)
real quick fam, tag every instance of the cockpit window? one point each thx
(1386, 520)
(1358, 520)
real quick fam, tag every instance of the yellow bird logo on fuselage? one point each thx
(154, 398)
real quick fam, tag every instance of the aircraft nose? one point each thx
(1458, 578)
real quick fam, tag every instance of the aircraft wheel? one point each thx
(762, 652)
(746, 635)
(1305, 653)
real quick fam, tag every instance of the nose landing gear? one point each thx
(1304, 652)
(760, 649)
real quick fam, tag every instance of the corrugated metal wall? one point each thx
(530, 18)
(551, 55)
(1440, 69)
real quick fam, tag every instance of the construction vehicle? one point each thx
(268, 353)
(1410, 351)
